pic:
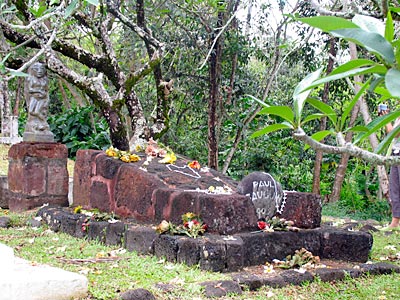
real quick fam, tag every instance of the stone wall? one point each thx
(153, 192)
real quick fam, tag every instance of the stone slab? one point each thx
(3, 192)
(21, 280)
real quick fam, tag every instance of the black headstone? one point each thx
(265, 192)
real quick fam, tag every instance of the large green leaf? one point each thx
(359, 71)
(18, 73)
(328, 23)
(387, 140)
(389, 28)
(358, 128)
(370, 24)
(271, 128)
(377, 124)
(70, 8)
(312, 117)
(284, 112)
(352, 64)
(392, 82)
(324, 108)
(301, 93)
(372, 41)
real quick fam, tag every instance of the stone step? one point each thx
(22, 280)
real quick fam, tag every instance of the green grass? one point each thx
(128, 270)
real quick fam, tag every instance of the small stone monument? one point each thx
(265, 192)
(37, 169)
(36, 94)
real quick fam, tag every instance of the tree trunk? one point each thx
(316, 187)
(213, 100)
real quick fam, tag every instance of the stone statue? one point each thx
(36, 94)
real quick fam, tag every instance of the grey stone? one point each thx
(3, 192)
(5, 222)
(221, 288)
(213, 254)
(380, 268)
(264, 191)
(252, 281)
(188, 251)
(115, 233)
(34, 223)
(297, 278)
(326, 274)
(166, 246)
(138, 294)
(140, 239)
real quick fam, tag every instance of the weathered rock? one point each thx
(304, 209)
(37, 175)
(188, 251)
(140, 239)
(296, 278)
(34, 223)
(221, 288)
(380, 268)
(115, 233)
(329, 275)
(3, 192)
(83, 171)
(138, 294)
(166, 246)
(265, 193)
(346, 245)
(252, 281)
(276, 281)
(5, 222)
(368, 228)
(213, 254)
(97, 231)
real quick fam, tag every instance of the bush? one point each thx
(80, 128)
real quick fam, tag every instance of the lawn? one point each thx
(112, 270)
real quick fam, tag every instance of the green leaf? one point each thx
(271, 128)
(358, 128)
(93, 2)
(352, 64)
(385, 144)
(389, 28)
(70, 8)
(359, 71)
(377, 124)
(284, 112)
(328, 23)
(372, 41)
(392, 82)
(257, 100)
(324, 108)
(318, 136)
(370, 24)
(301, 93)
(353, 102)
(312, 117)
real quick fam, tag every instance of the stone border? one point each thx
(217, 253)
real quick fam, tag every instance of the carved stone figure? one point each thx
(36, 94)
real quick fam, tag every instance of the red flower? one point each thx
(262, 225)
(204, 227)
(194, 165)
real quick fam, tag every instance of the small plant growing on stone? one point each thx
(192, 226)
(94, 215)
(300, 259)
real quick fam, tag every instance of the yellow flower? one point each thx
(113, 152)
(139, 148)
(133, 158)
(125, 158)
(163, 227)
(78, 209)
(169, 158)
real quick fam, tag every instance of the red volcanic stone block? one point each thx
(83, 171)
(37, 175)
(39, 150)
(223, 213)
(100, 196)
(133, 192)
(57, 183)
(304, 209)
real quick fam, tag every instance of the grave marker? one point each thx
(265, 192)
